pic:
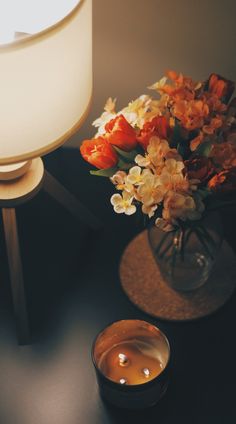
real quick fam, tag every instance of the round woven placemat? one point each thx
(144, 285)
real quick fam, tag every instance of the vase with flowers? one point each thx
(174, 158)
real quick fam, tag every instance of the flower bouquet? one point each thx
(174, 158)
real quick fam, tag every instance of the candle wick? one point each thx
(146, 372)
(123, 381)
(123, 359)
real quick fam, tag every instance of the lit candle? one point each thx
(131, 358)
(138, 358)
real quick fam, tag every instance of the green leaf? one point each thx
(176, 137)
(160, 244)
(181, 149)
(203, 242)
(204, 149)
(104, 172)
(204, 192)
(173, 258)
(122, 164)
(127, 156)
(165, 250)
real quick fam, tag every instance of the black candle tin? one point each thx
(131, 396)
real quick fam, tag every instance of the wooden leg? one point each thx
(16, 274)
(70, 202)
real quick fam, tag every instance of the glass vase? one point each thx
(186, 255)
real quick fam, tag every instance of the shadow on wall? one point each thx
(136, 41)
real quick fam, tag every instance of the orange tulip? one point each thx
(220, 86)
(158, 126)
(121, 134)
(99, 152)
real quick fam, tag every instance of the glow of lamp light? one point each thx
(6, 22)
(6, 34)
(30, 16)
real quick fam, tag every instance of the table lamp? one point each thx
(45, 93)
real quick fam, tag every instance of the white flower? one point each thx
(172, 178)
(143, 161)
(181, 183)
(166, 181)
(156, 151)
(131, 117)
(136, 110)
(176, 182)
(158, 86)
(118, 178)
(137, 176)
(106, 116)
(173, 166)
(149, 210)
(123, 203)
(178, 206)
(151, 192)
(142, 110)
(102, 121)
(110, 105)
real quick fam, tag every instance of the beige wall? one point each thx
(135, 41)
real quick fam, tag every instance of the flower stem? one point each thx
(203, 242)
(182, 243)
(159, 246)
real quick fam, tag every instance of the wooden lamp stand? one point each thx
(18, 184)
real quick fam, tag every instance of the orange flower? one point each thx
(181, 87)
(174, 76)
(195, 142)
(200, 168)
(213, 125)
(224, 154)
(121, 134)
(158, 126)
(99, 153)
(220, 86)
(178, 93)
(224, 182)
(191, 114)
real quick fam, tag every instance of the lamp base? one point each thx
(18, 190)
(15, 190)
(11, 172)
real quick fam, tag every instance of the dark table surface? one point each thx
(73, 291)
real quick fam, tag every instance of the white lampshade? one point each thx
(45, 74)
